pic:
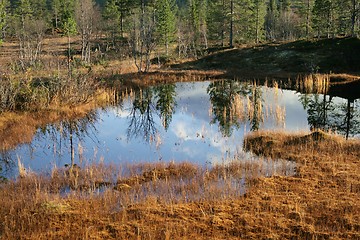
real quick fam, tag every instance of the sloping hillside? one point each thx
(341, 55)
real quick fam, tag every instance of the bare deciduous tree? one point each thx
(142, 39)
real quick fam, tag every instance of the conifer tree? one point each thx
(111, 17)
(217, 21)
(70, 29)
(55, 12)
(3, 17)
(304, 12)
(165, 22)
(323, 17)
(197, 11)
(124, 8)
(271, 20)
(258, 15)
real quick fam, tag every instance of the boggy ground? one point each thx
(18, 127)
(184, 201)
(273, 61)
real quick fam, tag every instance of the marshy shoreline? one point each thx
(183, 200)
(179, 200)
(285, 64)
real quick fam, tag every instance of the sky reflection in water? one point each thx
(197, 129)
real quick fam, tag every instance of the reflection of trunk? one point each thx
(142, 123)
(257, 109)
(348, 117)
(72, 148)
(324, 111)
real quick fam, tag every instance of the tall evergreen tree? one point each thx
(197, 14)
(165, 22)
(323, 17)
(124, 8)
(218, 21)
(271, 20)
(70, 29)
(3, 17)
(304, 12)
(258, 16)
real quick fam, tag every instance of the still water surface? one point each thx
(200, 122)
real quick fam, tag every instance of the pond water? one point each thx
(200, 122)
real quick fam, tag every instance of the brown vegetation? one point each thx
(20, 127)
(183, 201)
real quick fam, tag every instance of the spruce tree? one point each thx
(165, 22)
(323, 17)
(258, 16)
(217, 21)
(3, 17)
(271, 20)
(124, 7)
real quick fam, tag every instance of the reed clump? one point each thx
(313, 83)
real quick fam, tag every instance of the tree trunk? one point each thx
(257, 23)
(353, 18)
(231, 23)
(308, 11)
(69, 56)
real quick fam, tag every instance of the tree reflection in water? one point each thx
(142, 123)
(6, 164)
(235, 102)
(62, 136)
(166, 103)
(159, 100)
(151, 111)
(329, 115)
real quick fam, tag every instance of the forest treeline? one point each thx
(145, 26)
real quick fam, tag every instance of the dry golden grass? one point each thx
(183, 201)
(314, 83)
(20, 127)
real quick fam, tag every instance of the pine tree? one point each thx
(23, 11)
(258, 13)
(245, 20)
(111, 17)
(304, 11)
(217, 21)
(197, 12)
(323, 17)
(55, 11)
(39, 9)
(70, 29)
(165, 22)
(65, 11)
(3, 17)
(271, 20)
(347, 15)
(124, 7)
